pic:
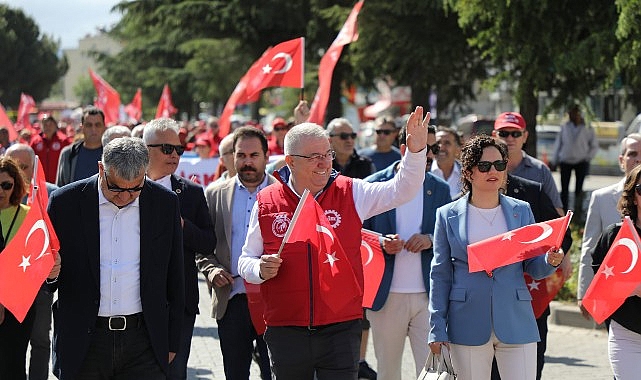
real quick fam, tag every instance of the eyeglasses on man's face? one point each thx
(485, 166)
(168, 148)
(344, 135)
(385, 132)
(435, 148)
(329, 156)
(118, 189)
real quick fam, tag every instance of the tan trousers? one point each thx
(403, 315)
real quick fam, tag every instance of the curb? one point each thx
(568, 314)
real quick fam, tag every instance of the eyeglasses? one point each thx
(343, 136)
(168, 148)
(434, 148)
(485, 166)
(118, 189)
(637, 188)
(385, 132)
(6, 185)
(330, 155)
(515, 134)
(279, 129)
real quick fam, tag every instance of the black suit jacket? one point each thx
(75, 217)
(198, 234)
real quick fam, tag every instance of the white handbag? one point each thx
(438, 367)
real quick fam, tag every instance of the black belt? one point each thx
(120, 322)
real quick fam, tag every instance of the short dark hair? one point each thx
(9, 166)
(248, 132)
(92, 111)
(452, 132)
(471, 155)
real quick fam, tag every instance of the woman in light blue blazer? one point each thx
(481, 315)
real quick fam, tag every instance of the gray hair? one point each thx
(335, 123)
(114, 132)
(125, 157)
(138, 130)
(20, 147)
(298, 135)
(226, 142)
(624, 142)
(159, 125)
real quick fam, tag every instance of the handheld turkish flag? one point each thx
(338, 283)
(281, 66)
(25, 263)
(165, 105)
(347, 34)
(543, 291)
(517, 245)
(39, 194)
(609, 289)
(5, 121)
(108, 99)
(256, 307)
(26, 105)
(373, 265)
(134, 109)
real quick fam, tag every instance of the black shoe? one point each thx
(365, 371)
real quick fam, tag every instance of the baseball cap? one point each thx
(509, 120)
(203, 142)
(279, 122)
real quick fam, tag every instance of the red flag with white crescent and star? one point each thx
(347, 34)
(25, 263)
(338, 283)
(108, 99)
(373, 265)
(165, 104)
(517, 245)
(609, 288)
(39, 193)
(543, 291)
(281, 66)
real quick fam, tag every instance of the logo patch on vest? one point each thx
(333, 217)
(280, 224)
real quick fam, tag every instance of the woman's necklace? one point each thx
(489, 221)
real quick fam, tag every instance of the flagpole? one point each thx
(297, 212)
(34, 179)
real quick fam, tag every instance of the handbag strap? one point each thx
(431, 361)
(447, 360)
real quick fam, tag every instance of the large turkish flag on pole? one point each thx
(338, 283)
(108, 99)
(165, 105)
(517, 245)
(281, 66)
(25, 263)
(347, 34)
(617, 276)
(373, 265)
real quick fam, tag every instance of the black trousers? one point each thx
(14, 339)
(330, 352)
(580, 172)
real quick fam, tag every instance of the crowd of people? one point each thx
(135, 236)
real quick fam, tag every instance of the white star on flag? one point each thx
(25, 263)
(533, 285)
(608, 271)
(267, 69)
(508, 235)
(331, 258)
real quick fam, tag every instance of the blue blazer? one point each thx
(465, 307)
(436, 193)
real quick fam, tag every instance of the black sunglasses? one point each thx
(499, 165)
(637, 188)
(118, 189)
(434, 148)
(6, 185)
(278, 129)
(168, 148)
(515, 134)
(344, 135)
(385, 132)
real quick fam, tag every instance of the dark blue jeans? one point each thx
(237, 336)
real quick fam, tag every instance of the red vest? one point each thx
(293, 297)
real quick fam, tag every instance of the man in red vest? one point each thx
(48, 144)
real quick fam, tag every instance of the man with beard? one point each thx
(161, 138)
(230, 203)
(446, 165)
(400, 306)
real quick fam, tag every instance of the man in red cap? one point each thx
(276, 143)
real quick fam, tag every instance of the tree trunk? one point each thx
(529, 106)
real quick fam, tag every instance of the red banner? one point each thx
(165, 105)
(134, 109)
(373, 265)
(24, 109)
(6, 122)
(108, 99)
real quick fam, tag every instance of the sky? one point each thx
(68, 20)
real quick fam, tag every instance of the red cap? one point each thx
(279, 122)
(509, 120)
(202, 142)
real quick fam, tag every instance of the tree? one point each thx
(29, 61)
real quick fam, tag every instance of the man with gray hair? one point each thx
(114, 132)
(161, 138)
(121, 293)
(603, 211)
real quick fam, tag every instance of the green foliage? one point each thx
(84, 90)
(568, 292)
(29, 61)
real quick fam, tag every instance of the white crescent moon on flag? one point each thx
(634, 251)
(370, 253)
(288, 62)
(40, 224)
(325, 230)
(547, 231)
